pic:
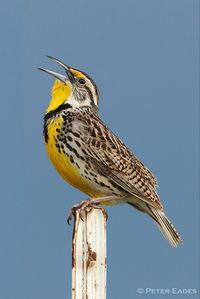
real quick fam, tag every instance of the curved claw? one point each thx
(80, 207)
(71, 214)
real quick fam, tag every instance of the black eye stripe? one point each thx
(93, 83)
(90, 94)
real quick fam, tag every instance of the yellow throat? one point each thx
(61, 92)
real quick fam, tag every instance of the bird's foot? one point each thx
(82, 206)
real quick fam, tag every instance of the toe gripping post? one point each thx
(89, 254)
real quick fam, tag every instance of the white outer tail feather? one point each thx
(166, 227)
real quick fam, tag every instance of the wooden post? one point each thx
(89, 255)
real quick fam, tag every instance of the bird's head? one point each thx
(75, 88)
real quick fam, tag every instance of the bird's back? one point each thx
(80, 145)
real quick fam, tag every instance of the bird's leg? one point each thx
(74, 208)
(92, 203)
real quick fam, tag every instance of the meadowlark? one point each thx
(91, 157)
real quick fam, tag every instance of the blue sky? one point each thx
(143, 55)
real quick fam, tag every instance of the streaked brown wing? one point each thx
(112, 158)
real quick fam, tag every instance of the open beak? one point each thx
(62, 78)
(54, 74)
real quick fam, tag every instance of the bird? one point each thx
(90, 157)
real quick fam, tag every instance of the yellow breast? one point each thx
(62, 162)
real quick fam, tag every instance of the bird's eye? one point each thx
(81, 81)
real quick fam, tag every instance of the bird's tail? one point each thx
(166, 227)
